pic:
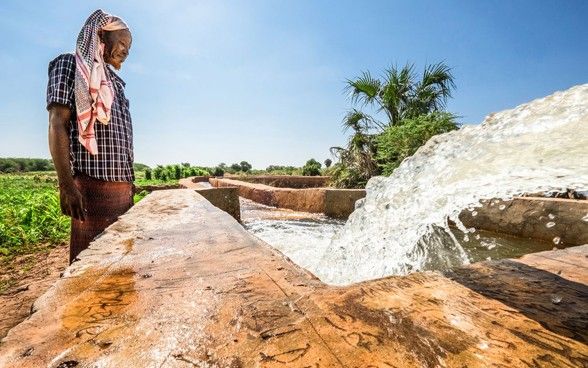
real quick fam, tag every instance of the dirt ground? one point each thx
(24, 279)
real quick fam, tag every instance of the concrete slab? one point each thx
(534, 218)
(177, 282)
(284, 181)
(337, 203)
(226, 199)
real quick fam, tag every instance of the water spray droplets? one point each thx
(556, 299)
(417, 207)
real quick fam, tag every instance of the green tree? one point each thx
(177, 172)
(10, 164)
(400, 94)
(148, 174)
(328, 163)
(218, 171)
(245, 166)
(311, 168)
(282, 170)
(158, 172)
(357, 161)
(235, 167)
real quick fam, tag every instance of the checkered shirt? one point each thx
(114, 161)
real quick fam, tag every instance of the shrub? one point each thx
(158, 172)
(343, 176)
(311, 168)
(235, 167)
(218, 171)
(283, 170)
(177, 172)
(245, 166)
(399, 142)
(9, 164)
(148, 174)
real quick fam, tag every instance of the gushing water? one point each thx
(402, 224)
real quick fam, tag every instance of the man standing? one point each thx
(90, 129)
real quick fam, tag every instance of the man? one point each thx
(90, 129)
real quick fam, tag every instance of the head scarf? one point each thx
(93, 89)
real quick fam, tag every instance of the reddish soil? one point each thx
(24, 279)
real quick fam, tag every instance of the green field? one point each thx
(30, 215)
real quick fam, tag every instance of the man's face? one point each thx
(116, 46)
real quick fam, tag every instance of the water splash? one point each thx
(302, 236)
(402, 225)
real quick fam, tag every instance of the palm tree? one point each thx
(399, 95)
(358, 159)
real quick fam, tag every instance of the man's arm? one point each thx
(72, 202)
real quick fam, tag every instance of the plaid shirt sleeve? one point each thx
(60, 88)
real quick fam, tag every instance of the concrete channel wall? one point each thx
(555, 220)
(226, 199)
(284, 181)
(176, 282)
(337, 203)
(546, 219)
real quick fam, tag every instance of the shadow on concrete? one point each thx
(557, 304)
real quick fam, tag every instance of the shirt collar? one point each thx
(115, 76)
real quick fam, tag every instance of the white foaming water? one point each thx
(301, 236)
(301, 240)
(536, 147)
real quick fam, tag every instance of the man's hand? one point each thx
(72, 203)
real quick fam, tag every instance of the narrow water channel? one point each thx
(304, 237)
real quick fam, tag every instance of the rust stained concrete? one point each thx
(284, 181)
(226, 199)
(178, 283)
(338, 203)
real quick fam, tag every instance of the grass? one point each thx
(141, 181)
(30, 215)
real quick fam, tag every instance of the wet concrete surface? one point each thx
(556, 220)
(176, 282)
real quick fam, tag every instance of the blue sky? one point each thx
(263, 81)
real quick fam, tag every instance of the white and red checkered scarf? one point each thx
(93, 89)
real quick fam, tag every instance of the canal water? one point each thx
(304, 237)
